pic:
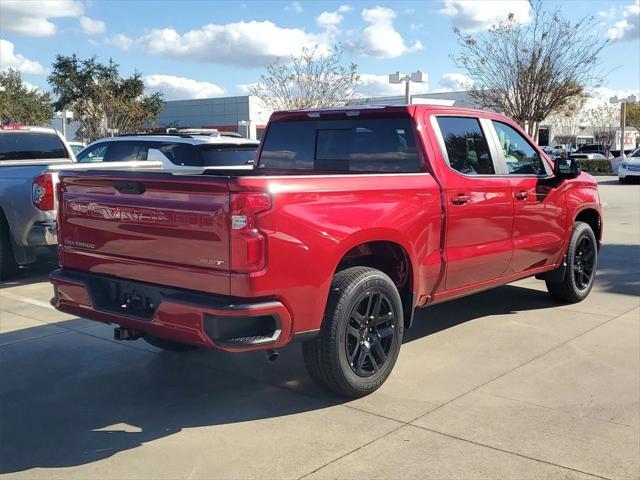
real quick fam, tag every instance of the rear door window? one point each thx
(31, 146)
(354, 145)
(466, 145)
(227, 155)
(122, 151)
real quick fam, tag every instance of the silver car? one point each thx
(629, 168)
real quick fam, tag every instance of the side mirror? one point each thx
(566, 168)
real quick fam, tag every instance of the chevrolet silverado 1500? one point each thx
(351, 219)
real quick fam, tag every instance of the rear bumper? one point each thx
(42, 233)
(205, 320)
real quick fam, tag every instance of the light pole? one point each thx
(63, 116)
(417, 77)
(623, 113)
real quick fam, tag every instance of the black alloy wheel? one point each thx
(370, 332)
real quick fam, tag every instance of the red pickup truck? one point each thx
(351, 219)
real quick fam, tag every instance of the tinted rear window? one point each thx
(354, 145)
(227, 155)
(30, 146)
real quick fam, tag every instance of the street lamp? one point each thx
(623, 113)
(417, 77)
(63, 116)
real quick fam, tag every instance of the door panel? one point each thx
(479, 204)
(539, 209)
(478, 242)
(538, 225)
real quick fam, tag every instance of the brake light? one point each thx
(42, 193)
(248, 249)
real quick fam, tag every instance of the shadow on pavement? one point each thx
(619, 269)
(74, 398)
(34, 273)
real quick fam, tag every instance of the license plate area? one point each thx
(126, 298)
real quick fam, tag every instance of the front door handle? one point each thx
(522, 195)
(460, 199)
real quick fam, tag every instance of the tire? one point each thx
(357, 346)
(582, 263)
(168, 345)
(8, 265)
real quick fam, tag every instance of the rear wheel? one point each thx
(169, 345)
(361, 333)
(8, 265)
(582, 261)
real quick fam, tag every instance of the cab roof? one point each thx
(372, 110)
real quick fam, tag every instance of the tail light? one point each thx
(248, 249)
(42, 193)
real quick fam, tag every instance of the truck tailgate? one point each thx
(155, 228)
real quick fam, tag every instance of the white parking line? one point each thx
(31, 301)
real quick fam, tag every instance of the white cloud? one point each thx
(250, 44)
(31, 18)
(344, 8)
(373, 85)
(30, 86)
(121, 41)
(296, 7)
(629, 27)
(329, 20)
(476, 15)
(380, 39)
(91, 26)
(181, 88)
(608, 13)
(245, 88)
(455, 81)
(10, 59)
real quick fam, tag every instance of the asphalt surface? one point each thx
(502, 384)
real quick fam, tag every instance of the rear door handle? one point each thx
(460, 199)
(522, 195)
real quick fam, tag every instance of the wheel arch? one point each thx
(391, 257)
(591, 217)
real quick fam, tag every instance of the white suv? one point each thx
(179, 153)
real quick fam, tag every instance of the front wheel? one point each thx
(582, 261)
(361, 333)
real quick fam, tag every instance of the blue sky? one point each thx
(197, 49)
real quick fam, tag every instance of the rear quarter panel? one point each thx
(315, 220)
(16, 183)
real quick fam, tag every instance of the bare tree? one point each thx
(603, 121)
(565, 124)
(312, 79)
(529, 71)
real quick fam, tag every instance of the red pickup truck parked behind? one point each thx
(351, 219)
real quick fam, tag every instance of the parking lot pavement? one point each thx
(503, 384)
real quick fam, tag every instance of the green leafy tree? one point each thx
(632, 117)
(19, 104)
(311, 79)
(103, 101)
(531, 71)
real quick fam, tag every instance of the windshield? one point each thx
(30, 146)
(227, 155)
(636, 154)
